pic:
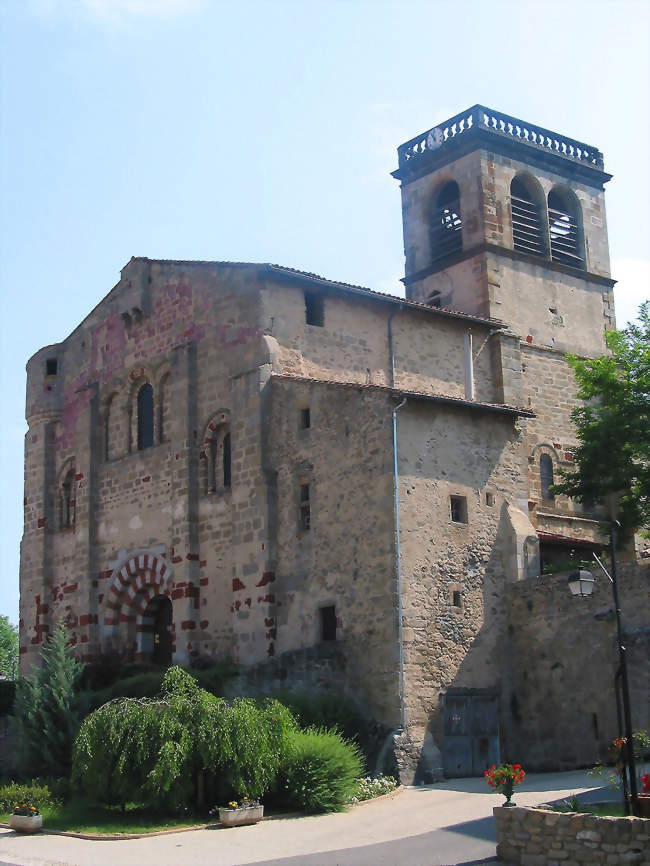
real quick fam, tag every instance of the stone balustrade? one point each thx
(540, 837)
(499, 124)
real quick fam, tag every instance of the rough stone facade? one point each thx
(211, 455)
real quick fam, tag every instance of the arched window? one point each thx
(145, 417)
(67, 501)
(219, 468)
(565, 229)
(446, 225)
(527, 233)
(546, 476)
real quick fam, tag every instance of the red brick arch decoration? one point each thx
(146, 576)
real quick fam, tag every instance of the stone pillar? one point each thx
(184, 497)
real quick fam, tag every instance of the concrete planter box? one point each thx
(540, 837)
(26, 823)
(240, 817)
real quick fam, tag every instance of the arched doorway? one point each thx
(157, 631)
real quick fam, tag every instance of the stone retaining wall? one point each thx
(537, 837)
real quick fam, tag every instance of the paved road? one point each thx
(448, 823)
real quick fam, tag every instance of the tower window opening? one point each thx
(51, 366)
(458, 508)
(446, 223)
(314, 310)
(305, 419)
(328, 623)
(546, 476)
(526, 219)
(226, 461)
(67, 520)
(305, 507)
(145, 417)
(564, 230)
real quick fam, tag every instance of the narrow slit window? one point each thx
(305, 508)
(458, 507)
(305, 419)
(456, 598)
(67, 502)
(546, 476)
(51, 367)
(564, 230)
(314, 309)
(526, 219)
(226, 461)
(145, 417)
(446, 223)
(328, 623)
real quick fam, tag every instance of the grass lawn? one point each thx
(80, 817)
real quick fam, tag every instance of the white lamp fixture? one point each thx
(581, 583)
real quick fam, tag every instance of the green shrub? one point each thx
(36, 792)
(325, 711)
(7, 696)
(174, 750)
(320, 771)
(147, 683)
(47, 708)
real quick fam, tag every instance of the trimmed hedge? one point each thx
(38, 793)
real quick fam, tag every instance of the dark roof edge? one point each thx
(459, 402)
(305, 278)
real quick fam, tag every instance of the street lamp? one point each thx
(581, 583)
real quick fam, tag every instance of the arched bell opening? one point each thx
(156, 632)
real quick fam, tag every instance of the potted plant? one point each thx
(25, 818)
(504, 778)
(238, 813)
(644, 796)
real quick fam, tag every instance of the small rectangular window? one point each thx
(456, 598)
(51, 366)
(489, 499)
(458, 506)
(305, 509)
(314, 309)
(305, 419)
(328, 623)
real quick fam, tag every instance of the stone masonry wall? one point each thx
(537, 837)
(455, 574)
(559, 699)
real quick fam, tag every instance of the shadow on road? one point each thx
(442, 847)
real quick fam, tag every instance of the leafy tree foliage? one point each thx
(174, 750)
(612, 460)
(47, 708)
(8, 649)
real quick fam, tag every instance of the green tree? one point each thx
(8, 649)
(612, 460)
(47, 708)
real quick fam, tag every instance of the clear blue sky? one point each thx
(266, 131)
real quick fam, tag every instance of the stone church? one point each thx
(345, 490)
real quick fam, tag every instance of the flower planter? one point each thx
(644, 805)
(26, 823)
(240, 816)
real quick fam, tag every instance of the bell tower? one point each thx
(506, 220)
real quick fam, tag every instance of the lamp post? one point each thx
(581, 583)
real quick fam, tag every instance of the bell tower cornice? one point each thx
(483, 128)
